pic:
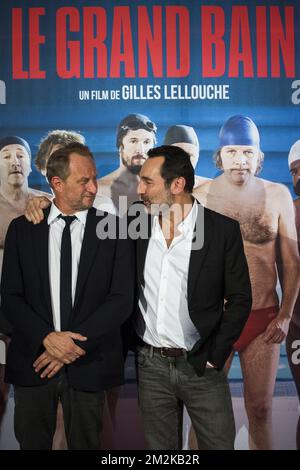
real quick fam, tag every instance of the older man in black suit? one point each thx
(66, 292)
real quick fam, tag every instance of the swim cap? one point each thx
(134, 122)
(239, 130)
(181, 133)
(14, 139)
(294, 153)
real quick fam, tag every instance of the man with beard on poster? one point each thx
(136, 134)
(266, 216)
(293, 337)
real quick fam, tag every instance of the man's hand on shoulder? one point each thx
(61, 346)
(34, 208)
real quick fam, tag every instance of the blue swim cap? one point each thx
(239, 130)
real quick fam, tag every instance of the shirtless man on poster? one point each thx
(266, 215)
(15, 167)
(136, 134)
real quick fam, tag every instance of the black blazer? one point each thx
(218, 271)
(103, 301)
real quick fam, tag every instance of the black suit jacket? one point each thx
(103, 301)
(218, 271)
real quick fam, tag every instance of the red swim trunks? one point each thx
(256, 324)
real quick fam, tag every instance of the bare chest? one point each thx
(258, 222)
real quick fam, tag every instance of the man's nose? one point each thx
(14, 159)
(140, 148)
(240, 158)
(92, 187)
(141, 188)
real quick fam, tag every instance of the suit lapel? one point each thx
(40, 237)
(203, 231)
(89, 246)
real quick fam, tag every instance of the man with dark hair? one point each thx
(175, 165)
(66, 342)
(136, 134)
(192, 262)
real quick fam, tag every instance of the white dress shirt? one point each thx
(56, 227)
(165, 320)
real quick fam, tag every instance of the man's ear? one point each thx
(57, 183)
(219, 163)
(260, 160)
(178, 185)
